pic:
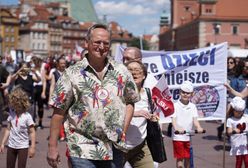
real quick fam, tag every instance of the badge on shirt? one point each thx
(102, 94)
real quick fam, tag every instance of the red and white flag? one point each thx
(79, 50)
(162, 97)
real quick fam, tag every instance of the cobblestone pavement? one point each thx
(208, 151)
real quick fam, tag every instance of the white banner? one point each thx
(204, 67)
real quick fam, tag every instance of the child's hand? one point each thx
(2, 148)
(200, 130)
(31, 152)
(237, 130)
(180, 130)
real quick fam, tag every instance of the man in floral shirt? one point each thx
(97, 95)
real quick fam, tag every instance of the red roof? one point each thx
(42, 13)
(86, 25)
(53, 4)
(118, 32)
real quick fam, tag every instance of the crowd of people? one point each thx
(237, 78)
(101, 108)
(29, 83)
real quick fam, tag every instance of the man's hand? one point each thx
(53, 157)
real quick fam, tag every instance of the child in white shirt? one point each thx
(236, 125)
(20, 127)
(185, 115)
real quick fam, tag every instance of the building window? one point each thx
(40, 25)
(12, 29)
(234, 29)
(186, 8)
(6, 29)
(208, 10)
(33, 46)
(6, 39)
(217, 28)
(12, 39)
(236, 45)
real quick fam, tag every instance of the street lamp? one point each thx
(216, 31)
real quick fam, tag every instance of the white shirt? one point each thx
(19, 136)
(184, 115)
(238, 141)
(137, 131)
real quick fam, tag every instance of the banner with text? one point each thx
(204, 67)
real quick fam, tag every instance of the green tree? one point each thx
(135, 42)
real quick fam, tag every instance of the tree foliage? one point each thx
(136, 43)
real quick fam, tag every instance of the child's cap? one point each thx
(238, 104)
(187, 86)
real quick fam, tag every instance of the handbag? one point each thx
(154, 136)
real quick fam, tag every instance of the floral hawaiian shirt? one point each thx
(96, 108)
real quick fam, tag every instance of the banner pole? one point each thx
(224, 145)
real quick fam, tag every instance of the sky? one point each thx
(137, 16)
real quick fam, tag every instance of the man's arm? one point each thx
(128, 116)
(56, 121)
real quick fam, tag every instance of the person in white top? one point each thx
(134, 54)
(236, 125)
(20, 127)
(185, 115)
(139, 154)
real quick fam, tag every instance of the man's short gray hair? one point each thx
(95, 26)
